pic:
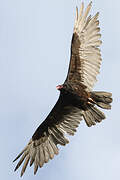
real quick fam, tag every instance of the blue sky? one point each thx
(35, 41)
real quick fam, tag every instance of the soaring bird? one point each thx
(77, 100)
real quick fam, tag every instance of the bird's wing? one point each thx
(85, 53)
(43, 145)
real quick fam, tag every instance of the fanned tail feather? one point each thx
(92, 114)
(102, 99)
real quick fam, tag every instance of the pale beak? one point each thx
(59, 87)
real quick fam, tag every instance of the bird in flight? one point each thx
(77, 100)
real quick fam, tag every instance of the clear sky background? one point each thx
(35, 39)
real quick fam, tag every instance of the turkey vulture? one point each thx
(76, 101)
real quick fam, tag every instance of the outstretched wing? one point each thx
(63, 118)
(85, 53)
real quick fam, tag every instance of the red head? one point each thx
(59, 87)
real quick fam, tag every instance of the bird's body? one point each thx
(75, 94)
(68, 97)
(77, 100)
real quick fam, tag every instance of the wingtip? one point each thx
(82, 4)
(21, 174)
(35, 172)
(97, 14)
(15, 169)
(89, 6)
(15, 159)
(76, 12)
(90, 3)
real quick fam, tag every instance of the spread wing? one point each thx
(85, 53)
(63, 118)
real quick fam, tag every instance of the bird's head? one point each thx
(59, 87)
(63, 87)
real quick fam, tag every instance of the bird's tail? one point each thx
(92, 114)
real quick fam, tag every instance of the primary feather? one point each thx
(85, 53)
(43, 145)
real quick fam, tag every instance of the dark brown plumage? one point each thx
(76, 100)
